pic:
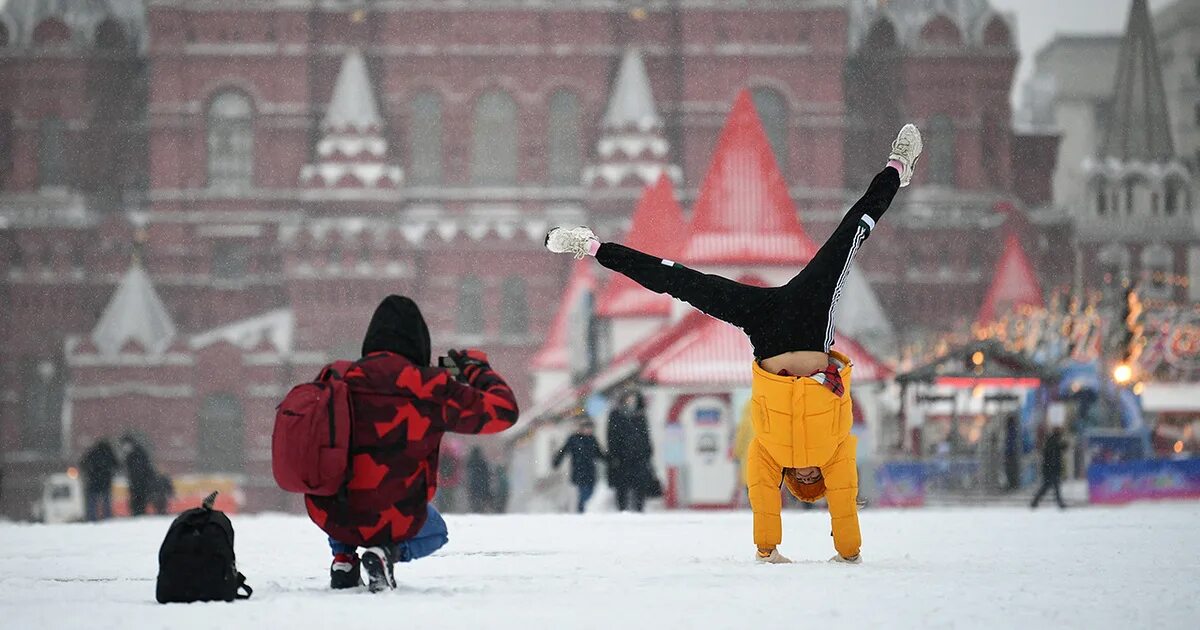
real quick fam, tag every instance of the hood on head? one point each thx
(397, 326)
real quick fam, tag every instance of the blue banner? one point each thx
(900, 484)
(1144, 479)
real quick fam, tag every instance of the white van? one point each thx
(62, 500)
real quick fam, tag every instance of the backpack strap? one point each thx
(242, 585)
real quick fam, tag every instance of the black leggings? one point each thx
(795, 316)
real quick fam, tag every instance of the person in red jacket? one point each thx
(401, 408)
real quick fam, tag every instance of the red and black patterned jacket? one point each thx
(401, 411)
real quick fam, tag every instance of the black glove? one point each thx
(466, 358)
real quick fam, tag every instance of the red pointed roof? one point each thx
(554, 354)
(1014, 284)
(658, 227)
(744, 215)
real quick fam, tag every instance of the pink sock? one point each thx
(593, 246)
(898, 165)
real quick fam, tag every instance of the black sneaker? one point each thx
(344, 572)
(378, 564)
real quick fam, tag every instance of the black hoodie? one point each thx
(397, 326)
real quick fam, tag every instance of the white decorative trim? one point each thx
(128, 388)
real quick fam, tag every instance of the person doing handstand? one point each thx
(800, 392)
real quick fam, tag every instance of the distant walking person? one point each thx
(1052, 463)
(629, 452)
(584, 451)
(479, 482)
(98, 465)
(140, 473)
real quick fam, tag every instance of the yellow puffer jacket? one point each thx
(799, 423)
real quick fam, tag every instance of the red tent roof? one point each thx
(554, 353)
(743, 214)
(658, 227)
(1014, 284)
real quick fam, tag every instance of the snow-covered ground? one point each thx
(969, 568)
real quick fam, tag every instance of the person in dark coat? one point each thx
(629, 452)
(402, 408)
(98, 466)
(1012, 452)
(162, 493)
(500, 490)
(140, 473)
(584, 451)
(1052, 464)
(479, 481)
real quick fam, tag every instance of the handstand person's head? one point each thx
(397, 326)
(807, 476)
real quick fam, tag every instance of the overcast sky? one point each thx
(1039, 20)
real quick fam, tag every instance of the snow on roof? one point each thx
(1014, 284)
(275, 327)
(555, 353)
(710, 353)
(135, 313)
(353, 103)
(657, 227)
(743, 214)
(631, 103)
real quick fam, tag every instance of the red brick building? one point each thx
(279, 166)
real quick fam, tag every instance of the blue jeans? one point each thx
(433, 536)
(585, 493)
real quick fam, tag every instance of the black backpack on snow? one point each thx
(196, 561)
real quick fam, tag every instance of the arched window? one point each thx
(941, 31)
(881, 36)
(940, 145)
(1114, 265)
(425, 140)
(110, 36)
(230, 141)
(1099, 191)
(52, 152)
(1175, 195)
(51, 31)
(514, 308)
(992, 145)
(996, 34)
(1136, 196)
(230, 261)
(221, 435)
(773, 110)
(564, 150)
(494, 140)
(6, 146)
(42, 382)
(1158, 265)
(470, 306)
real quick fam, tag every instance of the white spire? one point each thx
(353, 103)
(352, 152)
(631, 103)
(135, 312)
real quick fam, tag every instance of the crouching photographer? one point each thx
(401, 406)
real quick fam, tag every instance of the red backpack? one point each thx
(310, 447)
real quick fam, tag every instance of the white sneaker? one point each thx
(906, 149)
(572, 241)
(840, 560)
(774, 558)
